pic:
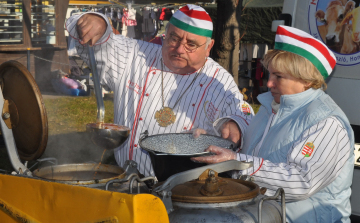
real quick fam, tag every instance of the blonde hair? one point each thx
(295, 65)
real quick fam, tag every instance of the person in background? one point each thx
(48, 26)
(171, 88)
(158, 39)
(300, 140)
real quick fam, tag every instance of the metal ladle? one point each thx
(105, 135)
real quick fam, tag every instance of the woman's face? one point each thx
(284, 84)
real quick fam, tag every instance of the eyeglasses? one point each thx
(175, 41)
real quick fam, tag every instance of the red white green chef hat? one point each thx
(193, 19)
(301, 43)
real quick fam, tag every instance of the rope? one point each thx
(51, 61)
(20, 57)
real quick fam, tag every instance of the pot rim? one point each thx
(63, 168)
(157, 153)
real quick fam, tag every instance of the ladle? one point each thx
(105, 135)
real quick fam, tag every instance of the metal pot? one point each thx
(199, 195)
(94, 175)
(84, 174)
(170, 153)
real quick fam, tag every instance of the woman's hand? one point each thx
(221, 155)
(230, 130)
(197, 132)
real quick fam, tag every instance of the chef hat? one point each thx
(193, 19)
(301, 43)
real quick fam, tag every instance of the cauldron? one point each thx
(200, 195)
(93, 175)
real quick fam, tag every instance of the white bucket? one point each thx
(51, 39)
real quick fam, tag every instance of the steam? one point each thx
(75, 147)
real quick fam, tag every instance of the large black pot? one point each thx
(170, 153)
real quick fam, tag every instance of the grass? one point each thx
(73, 113)
(255, 107)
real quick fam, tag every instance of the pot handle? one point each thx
(144, 135)
(164, 191)
(193, 174)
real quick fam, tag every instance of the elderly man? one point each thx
(168, 89)
(300, 139)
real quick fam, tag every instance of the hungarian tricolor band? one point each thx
(301, 43)
(193, 19)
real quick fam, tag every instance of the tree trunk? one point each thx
(227, 35)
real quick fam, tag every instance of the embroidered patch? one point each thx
(212, 113)
(134, 87)
(246, 109)
(308, 149)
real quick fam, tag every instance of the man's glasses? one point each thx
(175, 41)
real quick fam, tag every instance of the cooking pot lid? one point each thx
(182, 144)
(23, 101)
(214, 190)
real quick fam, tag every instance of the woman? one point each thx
(300, 139)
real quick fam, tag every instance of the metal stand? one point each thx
(131, 176)
(279, 192)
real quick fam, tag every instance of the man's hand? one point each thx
(221, 155)
(230, 130)
(90, 28)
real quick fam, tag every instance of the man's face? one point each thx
(176, 58)
(283, 84)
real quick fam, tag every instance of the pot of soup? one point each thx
(170, 153)
(94, 175)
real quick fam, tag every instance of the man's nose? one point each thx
(181, 48)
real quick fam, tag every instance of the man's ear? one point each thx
(211, 44)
